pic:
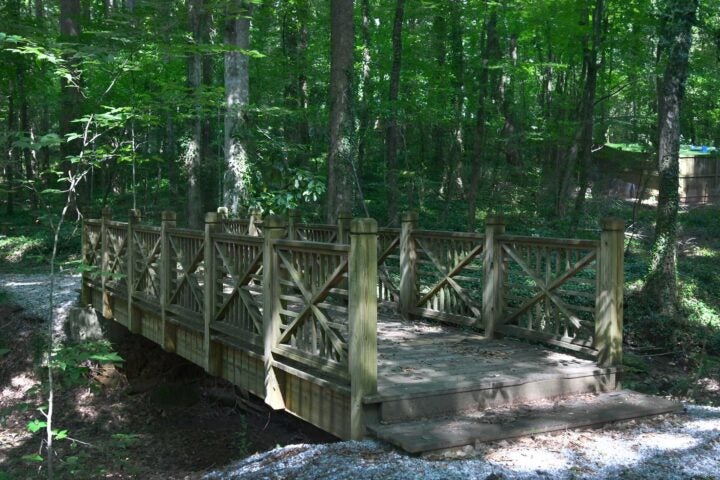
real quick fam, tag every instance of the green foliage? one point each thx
(125, 440)
(74, 362)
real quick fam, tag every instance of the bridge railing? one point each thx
(293, 309)
(299, 300)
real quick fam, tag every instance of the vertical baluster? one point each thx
(134, 317)
(168, 272)
(212, 350)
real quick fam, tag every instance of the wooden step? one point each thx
(525, 419)
(455, 395)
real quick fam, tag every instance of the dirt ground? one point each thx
(156, 416)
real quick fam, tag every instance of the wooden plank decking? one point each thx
(427, 369)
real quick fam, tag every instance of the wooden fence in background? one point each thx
(288, 310)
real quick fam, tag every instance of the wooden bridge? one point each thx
(356, 328)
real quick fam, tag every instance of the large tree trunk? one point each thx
(237, 94)
(195, 150)
(340, 191)
(675, 41)
(392, 134)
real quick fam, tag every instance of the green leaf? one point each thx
(4, 351)
(36, 425)
(107, 357)
(60, 434)
(33, 458)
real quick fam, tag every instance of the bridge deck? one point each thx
(427, 369)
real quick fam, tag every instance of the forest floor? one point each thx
(158, 416)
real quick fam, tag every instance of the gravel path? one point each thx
(667, 447)
(32, 291)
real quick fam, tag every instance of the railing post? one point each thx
(273, 229)
(134, 318)
(105, 261)
(293, 222)
(609, 300)
(408, 264)
(253, 222)
(343, 227)
(492, 274)
(362, 319)
(213, 351)
(167, 274)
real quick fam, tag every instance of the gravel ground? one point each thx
(666, 447)
(32, 292)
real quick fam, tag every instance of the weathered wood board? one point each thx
(583, 411)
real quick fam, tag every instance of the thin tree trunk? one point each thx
(457, 65)
(439, 37)
(510, 128)
(588, 107)
(340, 191)
(193, 154)
(25, 128)
(365, 88)
(237, 94)
(490, 37)
(675, 41)
(70, 95)
(391, 139)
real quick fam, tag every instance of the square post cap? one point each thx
(613, 223)
(363, 226)
(274, 221)
(411, 217)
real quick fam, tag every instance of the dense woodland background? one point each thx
(457, 109)
(454, 108)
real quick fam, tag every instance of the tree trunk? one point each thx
(237, 94)
(25, 128)
(491, 38)
(340, 191)
(675, 41)
(365, 88)
(70, 95)
(507, 97)
(592, 68)
(392, 134)
(9, 171)
(194, 153)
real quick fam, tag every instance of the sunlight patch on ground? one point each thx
(614, 451)
(667, 441)
(528, 459)
(19, 386)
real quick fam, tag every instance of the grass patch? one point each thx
(27, 242)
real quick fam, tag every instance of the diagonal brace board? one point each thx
(312, 299)
(546, 288)
(238, 281)
(188, 269)
(447, 277)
